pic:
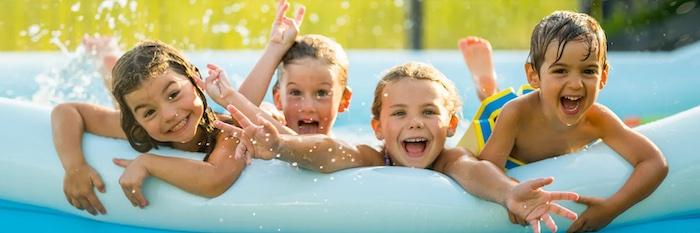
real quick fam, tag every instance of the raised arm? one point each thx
(68, 123)
(282, 36)
(526, 200)
(650, 169)
(205, 178)
(219, 89)
(314, 152)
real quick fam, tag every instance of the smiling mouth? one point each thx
(571, 104)
(415, 147)
(180, 125)
(308, 127)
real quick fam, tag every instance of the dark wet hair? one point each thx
(419, 71)
(147, 60)
(320, 48)
(562, 27)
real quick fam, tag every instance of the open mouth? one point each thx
(571, 104)
(308, 126)
(415, 147)
(180, 125)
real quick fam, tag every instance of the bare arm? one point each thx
(282, 36)
(650, 169)
(68, 123)
(500, 144)
(314, 152)
(209, 179)
(526, 200)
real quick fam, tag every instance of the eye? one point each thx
(148, 113)
(173, 95)
(559, 71)
(429, 112)
(294, 92)
(322, 93)
(590, 71)
(398, 113)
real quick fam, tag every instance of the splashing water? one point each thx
(77, 80)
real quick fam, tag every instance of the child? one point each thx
(413, 129)
(312, 86)
(568, 67)
(177, 116)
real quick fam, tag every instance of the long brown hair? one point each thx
(147, 60)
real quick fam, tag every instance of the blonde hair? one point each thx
(418, 71)
(317, 47)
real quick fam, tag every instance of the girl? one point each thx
(159, 105)
(413, 129)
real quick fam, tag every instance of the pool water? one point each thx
(641, 85)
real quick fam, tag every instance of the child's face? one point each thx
(167, 107)
(310, 96)
(570, 86)
(414, 126)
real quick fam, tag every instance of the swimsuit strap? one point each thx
(387, 159)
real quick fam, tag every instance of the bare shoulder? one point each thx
(369, 155)
(447, 156)
(601, 116)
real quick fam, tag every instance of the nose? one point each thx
(416, 124)
(307, 105)
(169, 113)
(576, 83)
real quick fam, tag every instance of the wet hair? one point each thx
(562, 27)
(320, 48)
(418, 71)
(150, 59)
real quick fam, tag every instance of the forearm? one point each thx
(645, 178)
(255, 84)
(481, 178)
(200, 178)
(67, 129)
(318, 153)
(253, 111)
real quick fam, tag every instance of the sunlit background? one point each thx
(357, 24)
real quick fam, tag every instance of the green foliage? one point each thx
(231, 24)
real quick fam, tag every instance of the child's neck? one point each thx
(197, 142)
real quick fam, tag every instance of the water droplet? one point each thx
(315, 179)
(330, 149)
(332, 160)
(386, 94)
(221, 219)
(278, 155)
(320, 167)
(260, 227)
(254, 214)
(294, 164)
(332, 178)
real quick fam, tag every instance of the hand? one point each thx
(132, 180)
(595, 217)
(78, 186)
(285, 30)
(528, 201)
(263, 136)
(216, 85)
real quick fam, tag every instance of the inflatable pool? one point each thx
(275, 196)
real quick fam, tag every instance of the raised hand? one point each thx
(477, 55)
(132, 180)
(595, 217)
(528, 201)
(262, 136)
(284, 29)
(78, 186)
(216, 84)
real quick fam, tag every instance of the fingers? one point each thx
(122, 162)
(535, 225)
(299, 16)
(539, 183)
(97, 182)
(134, 195)
(568, 196)
(577, 226)
(231, 130)
(549, 222)
(281, 9)
(96, 204)
(239, 116)
(268, 126)
(586, 200)
(85, 204)
(562, 211)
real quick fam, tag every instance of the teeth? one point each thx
(415, 140)
(572, 98)
(179, 125)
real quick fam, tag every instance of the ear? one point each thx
(533, 78)
(604, 77)
(377, 127)
(454, 121)
(345, 100)
(276, 98)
